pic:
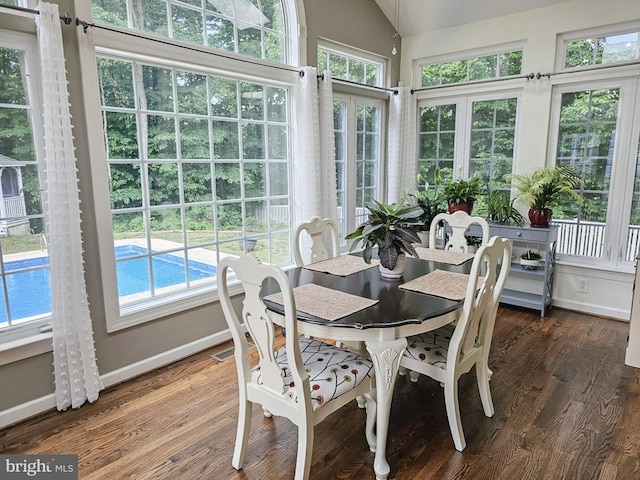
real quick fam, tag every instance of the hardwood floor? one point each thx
(566, 408)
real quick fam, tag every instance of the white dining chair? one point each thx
(448, 352)
(322, 231)
(459, 222)
(305, 380)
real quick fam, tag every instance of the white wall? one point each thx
(609, 292)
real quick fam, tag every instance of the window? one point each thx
(602, 49)
(358, 139)
(597, 133)
(465, 136)
(25, 292)
(255, 28)
(358, 129)
(174, 210)
(198, 156)
(489, 66)
(352, 68)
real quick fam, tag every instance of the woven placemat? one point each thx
(342, 266)
(443, 256)
(324, 302)
(440, 283)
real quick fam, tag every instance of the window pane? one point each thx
(348, 67)
(240, 27)
(483, 67)
(585, 142)
(181, 173)
(623, 47)
(437, 141)
(474, 68)
(192, 93)
(493, 141)
(510, 63)
(633, 235)
(25, 290)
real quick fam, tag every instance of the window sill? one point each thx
(31, 346)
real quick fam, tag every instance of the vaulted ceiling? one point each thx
(411, 17)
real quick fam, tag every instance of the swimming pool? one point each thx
(29, 291)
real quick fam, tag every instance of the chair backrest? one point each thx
(459, 222)
(486, 282)
(258, 321)
(321, 231)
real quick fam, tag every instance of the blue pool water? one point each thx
(30, 293)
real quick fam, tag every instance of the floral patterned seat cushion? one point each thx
(431, 347)
(332, 371)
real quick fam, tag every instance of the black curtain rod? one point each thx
(530, 76)
(85, 25)
(591, 68)
(394, 90)
(65, 18)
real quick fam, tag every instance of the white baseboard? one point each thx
(39, 405)
(617, 313)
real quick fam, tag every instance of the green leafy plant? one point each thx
(430, 200)
(543, 186)
(530, 255)
(463, 191)
(500, 209)
(391, 228)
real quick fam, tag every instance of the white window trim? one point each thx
(462, 143)
(419, 63)
(623, 175)
(102, 42)
(563, 39)
(358, 54)
(25, 339)
(350, 154)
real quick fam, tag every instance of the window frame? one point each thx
(420, 63)
(565, 38)
(356, 54)
(26, 339)
(352, 101)
(103, 42)
(627, 134)
(464, 111)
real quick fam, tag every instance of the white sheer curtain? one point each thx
(329, 193)
(76, 371)
(402, 143)
(313, 166)
(306, 166)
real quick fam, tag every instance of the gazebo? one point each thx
(13, 214)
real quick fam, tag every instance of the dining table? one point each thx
(347, 300)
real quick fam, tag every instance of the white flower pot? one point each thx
(396, 272)
(529, 264)
(424, 238)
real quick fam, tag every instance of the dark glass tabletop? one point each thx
(395, 306)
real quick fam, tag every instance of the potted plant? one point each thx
(461, 194)
(431, 202)
(391, 228)
(542, 188)
(500, 208)
(530, 260)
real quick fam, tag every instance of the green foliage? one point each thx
(543, 187)
(530, 255)
(390, 227)
(499, 208)
(430, 200)
(463, 191)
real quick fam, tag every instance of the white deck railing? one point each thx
(587, 239)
